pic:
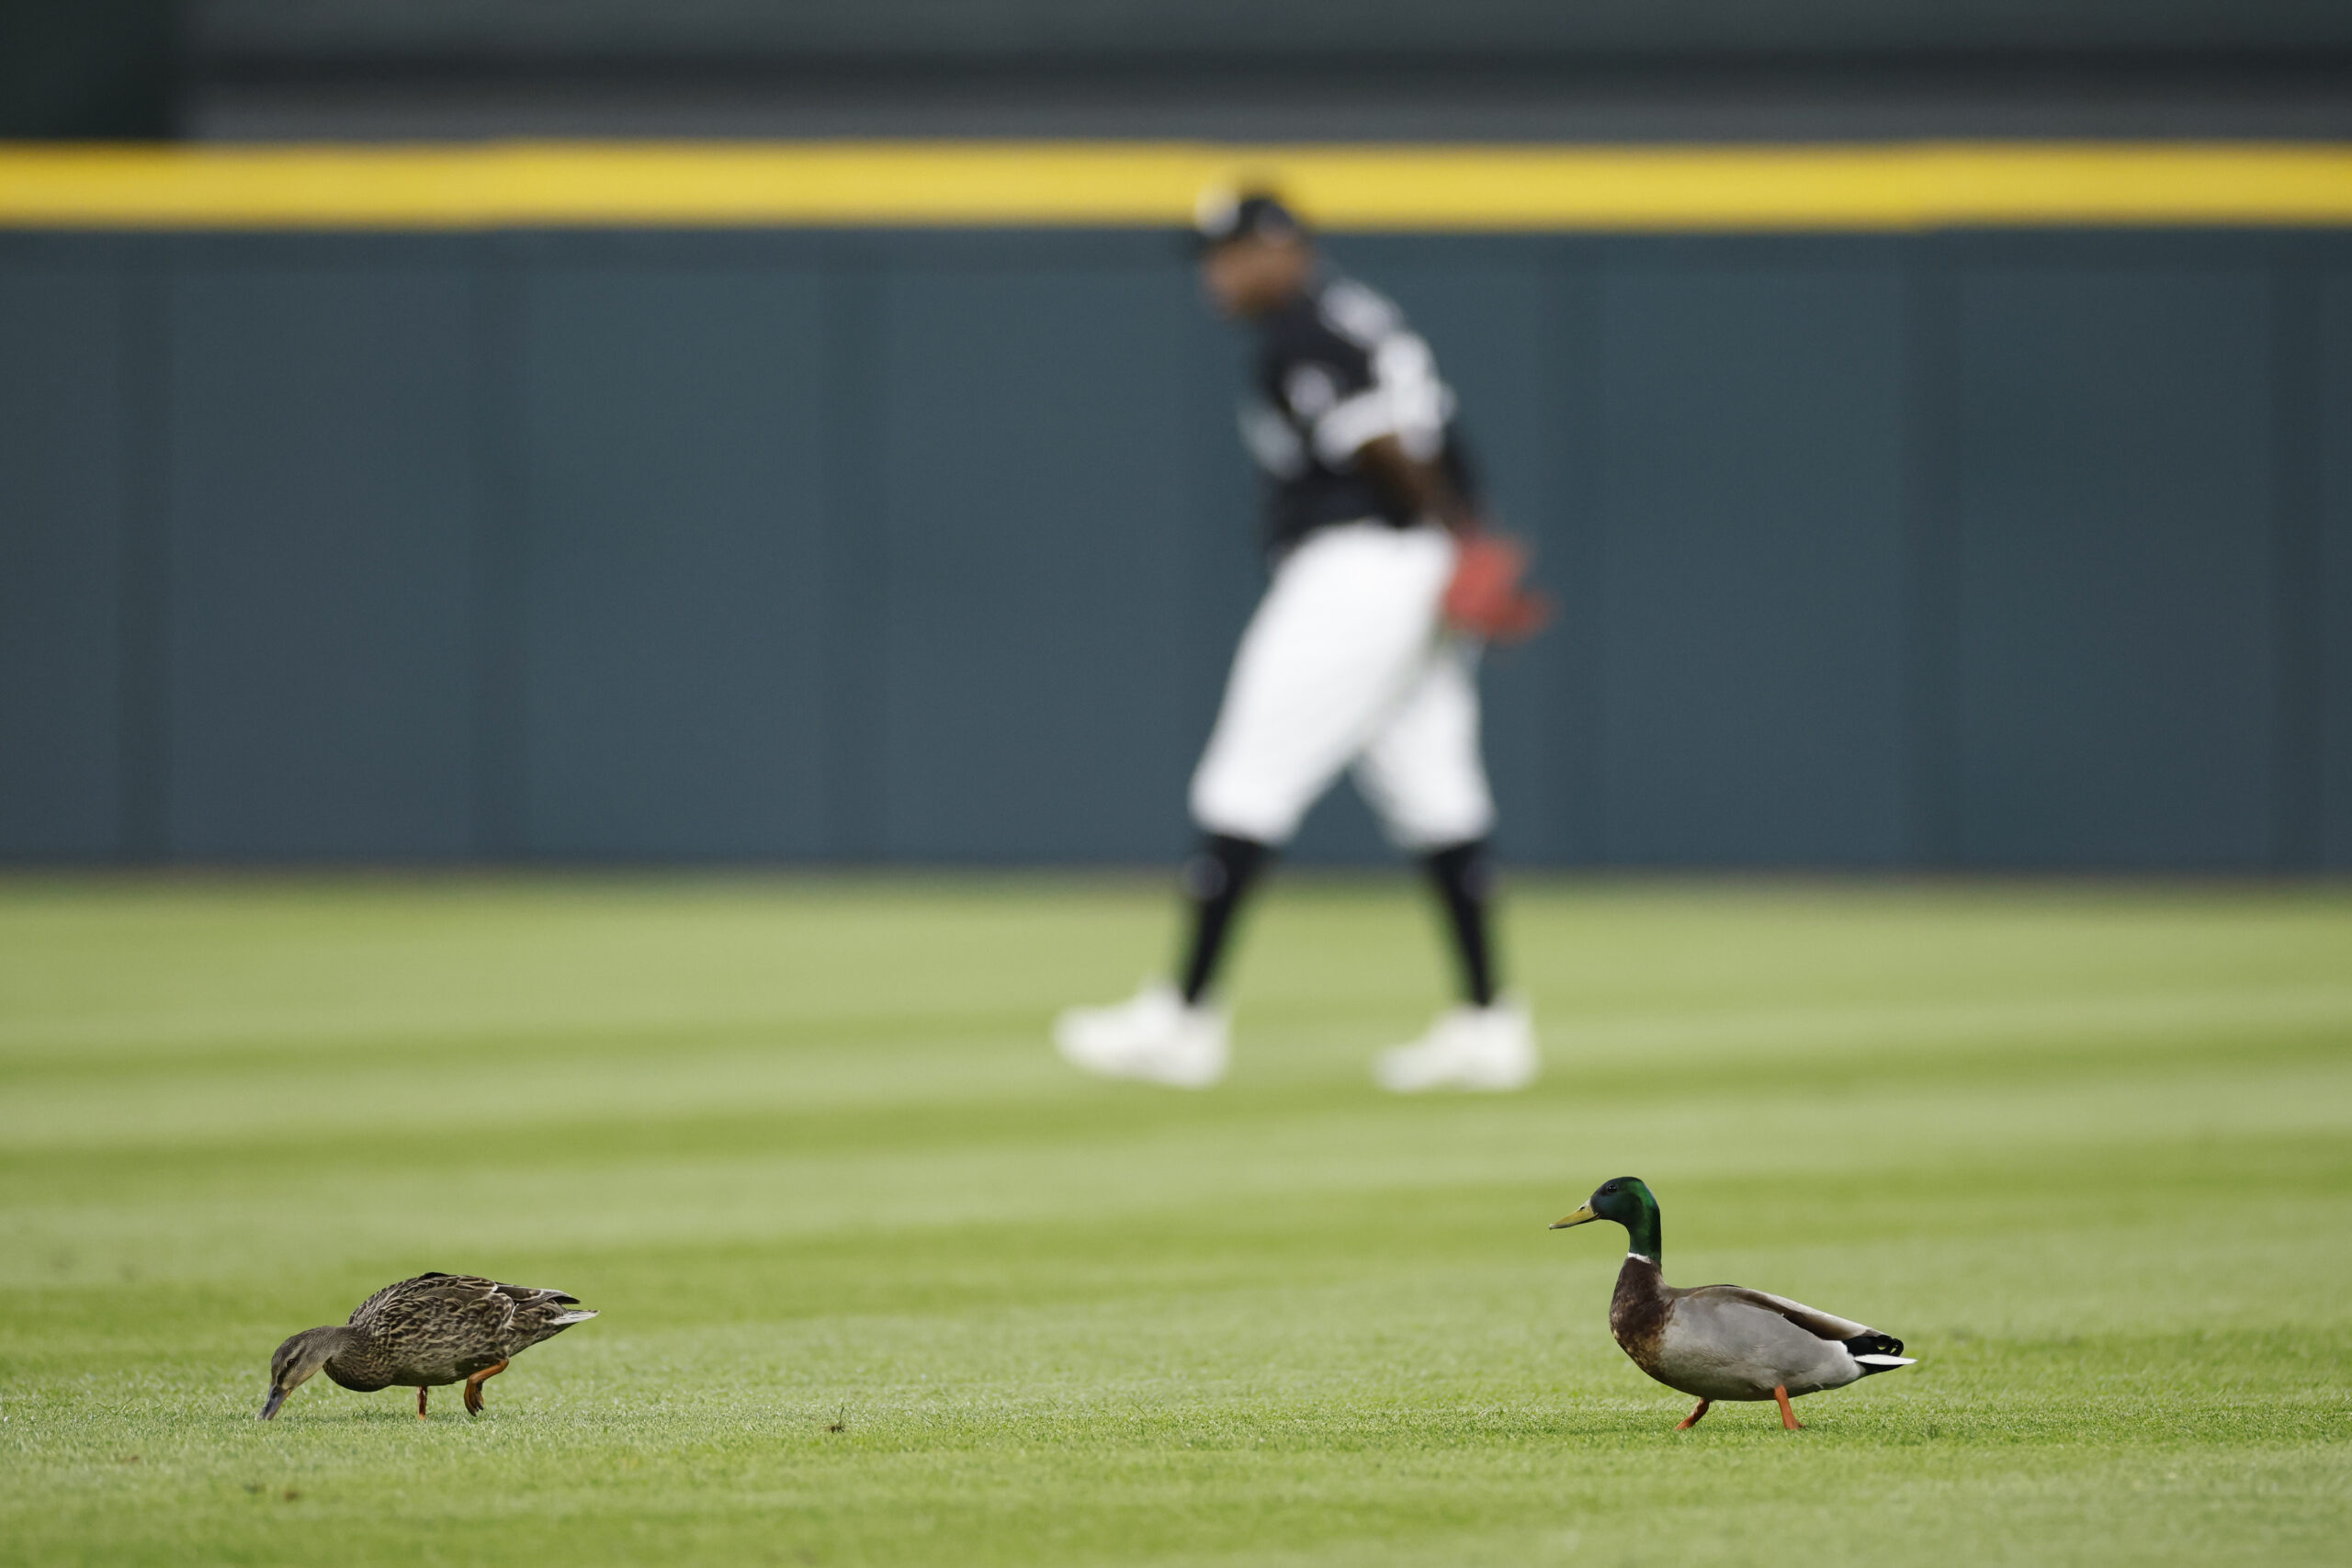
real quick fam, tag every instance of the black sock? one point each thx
(1216, 878)
(1462, 880)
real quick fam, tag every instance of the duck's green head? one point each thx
(1627, 1201)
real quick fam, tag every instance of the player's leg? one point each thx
(1215, 880)
(1342, 637)
(1344, 634)
(1423, 774)
(1343, 628)
(1463, 877)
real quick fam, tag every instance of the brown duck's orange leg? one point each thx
(1692, 1419)
(1788, 1417)
(474, 1387)
(420, 1403)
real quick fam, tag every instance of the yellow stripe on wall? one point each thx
(1890, 188)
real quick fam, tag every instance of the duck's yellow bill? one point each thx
(1580, 1217)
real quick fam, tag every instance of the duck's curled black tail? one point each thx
(1878, 1353)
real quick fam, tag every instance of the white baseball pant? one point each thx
(1348, 660)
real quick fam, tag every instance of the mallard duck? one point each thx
(1723, 1341)
(423, 1333)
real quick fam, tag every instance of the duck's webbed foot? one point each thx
(1788, 1415)
(474, 1387)
(420, 1402)
(1692, 1419)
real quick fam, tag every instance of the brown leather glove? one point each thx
(1488, 597)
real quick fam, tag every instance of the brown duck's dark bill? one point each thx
(276, 1399)
(1580, 1217)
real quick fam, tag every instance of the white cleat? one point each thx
(1155, 1037)
(1489, 1048)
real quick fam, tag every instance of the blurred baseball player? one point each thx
(1362, 655)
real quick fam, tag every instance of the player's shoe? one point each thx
(1155, 1037)
(1490, 1048)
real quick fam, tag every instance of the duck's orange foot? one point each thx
(1788, 1417)
(474, 1387)
(420, 1403)
(1692, 1419)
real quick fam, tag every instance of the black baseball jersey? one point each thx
(1337, 367)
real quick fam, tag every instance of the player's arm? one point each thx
(1420, 488)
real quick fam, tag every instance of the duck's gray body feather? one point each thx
(1729, 1342)
(1723, 1342)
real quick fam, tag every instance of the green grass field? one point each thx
(882, 1284)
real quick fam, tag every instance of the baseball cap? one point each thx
(1222, 215)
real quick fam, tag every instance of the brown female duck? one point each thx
(425, 1333)
(1723, 1341)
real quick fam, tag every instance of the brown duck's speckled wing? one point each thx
(1813, 1320)
(439, 1327)
(367, 1310)
(430, 1295)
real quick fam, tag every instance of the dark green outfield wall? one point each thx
(1997, 550)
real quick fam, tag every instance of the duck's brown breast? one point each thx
(1638, 1310)
(360, 1372)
